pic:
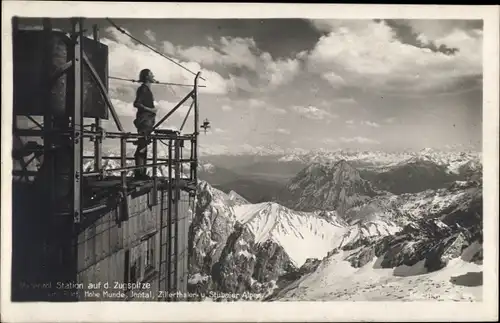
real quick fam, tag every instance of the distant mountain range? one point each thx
(263, 178)
(452, 160)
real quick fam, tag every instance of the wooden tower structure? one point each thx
(94, 234)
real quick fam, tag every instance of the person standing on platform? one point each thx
(144, 120)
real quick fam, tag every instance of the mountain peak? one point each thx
(237, 199)
(343, 163)
(325, 187)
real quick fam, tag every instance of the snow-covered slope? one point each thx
(426, 260)
(336, 279)
(302, 235)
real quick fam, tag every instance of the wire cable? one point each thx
(149, 47)
(161, 83)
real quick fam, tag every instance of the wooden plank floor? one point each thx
(109, 186)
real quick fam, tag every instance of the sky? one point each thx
(311, 84)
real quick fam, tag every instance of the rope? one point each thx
(149, 47)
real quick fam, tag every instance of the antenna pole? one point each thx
(196, 127)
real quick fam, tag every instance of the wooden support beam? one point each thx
(46, 132)
(77, 118)
(154, 195)
(123, 155)
(177, 198)
(34, 121)
(98, 140)
(196, 126)
(189, 95)
(187, 116)
(169, 225)
(104, 93)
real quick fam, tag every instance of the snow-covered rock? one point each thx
(302, 235)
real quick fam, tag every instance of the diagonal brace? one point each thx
(187, 116)
(189, 95)
(102, 88)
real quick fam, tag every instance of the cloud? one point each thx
(150, 35)
(359, 140)
(126, 59)
(241, 53)
(372, 55)
(226, 108)
(283, 131)
(334, 79)
(256, 103)
(350, 122)
(431, 29)
(313, 113)
(214, 149)
(219, 130)
(266, 106)
(346, 101)
(279, 72)
(119, 37)
(275, 110)
(405, 33)
(229, 52)
(329, 141)
(390, 120)
(123, 108)
(370, 124)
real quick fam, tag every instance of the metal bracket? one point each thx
(123, 202)
(93, 128)
(101, 132)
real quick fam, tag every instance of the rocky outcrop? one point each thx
(210, 228)
(411, 176)
(309, 266)
(224, 256)
(236, 266)
(430, 241)
(326, 187)
(272, 261)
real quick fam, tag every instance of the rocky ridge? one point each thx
(326, 187)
